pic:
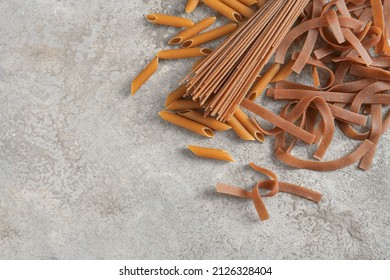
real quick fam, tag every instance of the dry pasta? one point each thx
(240, 130)
(191, 5)
(224, 10)
(187, 124)
(239, 7)
(183, 104)
(192, 31)
(175, 95)
(248, 2)
(169, 20)
(183, 53)
(260, 3)
(263, 82)
(249, 125)
(209, 36)
(207, 121)
(144, 75)
(210, 153)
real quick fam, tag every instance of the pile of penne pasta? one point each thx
(346, 49)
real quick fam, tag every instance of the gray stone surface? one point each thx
(87, 172)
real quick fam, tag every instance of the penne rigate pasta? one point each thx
(192, 31)
(207, 121)
(191, 5)
(210, 153)
(224, 10)
(285, 72)
(183, 53)
(144, 75)
(249, 125)
(248, 2)
(209, 36)
(187, 124)
(239, 7)
(169, 20)
(239, 129)
(260, 3)
(263, 82)
(175, 95)
(183, 104)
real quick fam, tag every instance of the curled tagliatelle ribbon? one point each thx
(274, 185)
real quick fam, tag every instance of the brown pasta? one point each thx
(169, 20)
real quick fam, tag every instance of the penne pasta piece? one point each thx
(207, 121)
(187, 124)
(183, 53)
(263, 82)
(248, 2)
(224, 10)
(239, 129)
(260, 3)
(183, 104)
(144, 75)
(175, 95)
(192, 31)
(249, 125)
(285, 72)
(210, 153)
(239, 7)
(191, 5)
(169, 20)
(209, 36)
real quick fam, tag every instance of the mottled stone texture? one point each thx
(87, 172)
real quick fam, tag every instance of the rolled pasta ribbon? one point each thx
(175, 95)
(144, 75)
(211, 153)
(191, 5)
(183, 104)
(240, 130)
(224, 10)
(192, 31)
(169, 20)
(183, 53)
(239, 7)
(207, 121)
(187, 124)
(263, 82)
(209, 36)
(249, 125)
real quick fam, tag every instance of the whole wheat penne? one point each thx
(209, 36)
(239, 129)
(239, 7)
(197, 63)
(169, 20)
(248, 2)
(285, 72)
(192, 31)
(210, 153)
(183, 53)
(249, 125)
(224, 10)
(183, 104)
(144, 75)
(191, 5)
(263, 82)
(207, 121)
(187, 124)
(260, 3)
(175, 95)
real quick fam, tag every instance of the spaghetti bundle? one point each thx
(223, 79)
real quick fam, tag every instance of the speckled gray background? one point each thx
(87, 172)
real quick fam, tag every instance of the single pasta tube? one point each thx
(210, 153)
(183, 53)
(144, 75)
(249, 125)
(285, 72)
(263, 82)
(207, 121)
(260, 3)
(183, 104)
(175, 95)
(192, 31)
(187, 124)
(224, 10)
(239, 7)
(209, 36)
(169, 20)
(191, 5)
(248, 2)
(239, 129)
